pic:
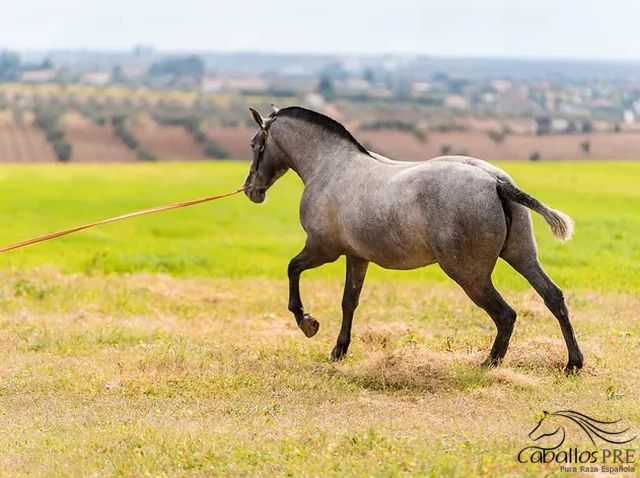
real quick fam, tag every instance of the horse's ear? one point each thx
(275, 109)
(257, 117)
(546, 413)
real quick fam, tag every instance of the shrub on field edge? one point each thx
(63, 150)
(146, 155)
(125, 134)
(49, 120)
(18, 115)
(213, 150)
(129, 139)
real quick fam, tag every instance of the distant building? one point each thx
(546, 125)
(457, 102)
(95, 78)
(132, 72)
(560, 125)
(543, 125)
(522, 125)
(211, 85)
(382, 93)
(419, 88)
(601, 103)
(251, 84)
(353, 86)
(315, 101)
(502, 86)
(573, 110)
(629, 117)
(39, 76)
(513, 102)
(488, 98)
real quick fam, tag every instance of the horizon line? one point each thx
(241, 51)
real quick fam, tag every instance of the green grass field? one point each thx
(234, 238)
(162, 346)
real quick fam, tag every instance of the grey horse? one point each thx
(459, 212)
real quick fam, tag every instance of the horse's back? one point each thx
(401, 217)
(492, 170)
(463, 209)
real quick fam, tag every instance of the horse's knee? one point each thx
(510, 316)
(293, 268)
(555, 301)
(350, 304)
(505, 320)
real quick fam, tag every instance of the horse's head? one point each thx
(268, 163)
(545, 428)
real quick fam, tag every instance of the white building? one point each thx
(629, 117)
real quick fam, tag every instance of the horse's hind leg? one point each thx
(308, 258)
(475, 280)
(356, 272)
(521, 253)
(469, 257)
(485, 296)
(554, 300)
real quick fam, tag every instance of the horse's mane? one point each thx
(328, 124)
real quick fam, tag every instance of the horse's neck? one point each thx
(316, 157)
(335, 160)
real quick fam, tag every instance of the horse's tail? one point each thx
(561, 224)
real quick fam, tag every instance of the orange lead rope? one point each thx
(177, 205)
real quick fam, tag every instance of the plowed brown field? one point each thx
(233, 140)
(403, 145)
(23, 143)
(93, 143)
(167, 142)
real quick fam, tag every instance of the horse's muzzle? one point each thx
(256, 194)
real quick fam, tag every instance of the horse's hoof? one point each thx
(572, 368)
(309, 325)
(575, 363)
(490, 363)
(339, 352)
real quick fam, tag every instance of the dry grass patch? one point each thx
(129, 375)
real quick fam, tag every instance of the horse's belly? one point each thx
(406, 261)
(390, 252)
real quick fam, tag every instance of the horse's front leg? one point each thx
(309, 258)
(356, 272)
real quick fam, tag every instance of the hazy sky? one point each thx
(541, 28)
